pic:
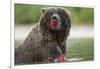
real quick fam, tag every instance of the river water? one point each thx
(77, 32)
(21, 31)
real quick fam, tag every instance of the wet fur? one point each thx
(41, 42)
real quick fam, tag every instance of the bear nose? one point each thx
(54, 17)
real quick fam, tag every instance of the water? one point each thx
(80, 43)
(74, 59)
(22, 31)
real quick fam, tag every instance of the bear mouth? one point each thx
(53, 24)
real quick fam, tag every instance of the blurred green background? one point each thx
(80, 43)
(26, 13)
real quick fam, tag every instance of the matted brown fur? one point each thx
(41, 42)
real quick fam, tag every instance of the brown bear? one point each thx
(46, 43)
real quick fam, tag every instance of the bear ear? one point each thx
(43, 10)
(68, 12)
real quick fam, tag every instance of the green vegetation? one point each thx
(25, 13)
(81, 48)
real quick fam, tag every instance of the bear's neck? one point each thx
(58, 36)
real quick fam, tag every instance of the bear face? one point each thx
(55, 19)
